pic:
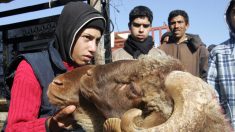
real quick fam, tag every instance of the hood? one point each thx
(194, 42)
(228, 20)
(74, 16)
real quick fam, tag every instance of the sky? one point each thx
(206, 17)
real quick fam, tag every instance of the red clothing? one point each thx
(25, 101)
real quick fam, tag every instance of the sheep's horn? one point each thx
(191, 96)
(112, 125)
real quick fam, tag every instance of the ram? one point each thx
(149, 94)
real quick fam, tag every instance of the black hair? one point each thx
(230, 7)
(166, 34)
(210, 47)
(228, 19)
(175, 13)
(140, 11)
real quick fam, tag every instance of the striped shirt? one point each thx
(221, 73)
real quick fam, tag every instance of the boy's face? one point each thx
(140, 28)
(85, 46)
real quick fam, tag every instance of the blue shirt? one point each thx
(221, 73)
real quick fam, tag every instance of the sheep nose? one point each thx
(57, 82)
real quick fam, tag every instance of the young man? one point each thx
(188, 48)
(221, 72)
(77, 35)
(139, 42)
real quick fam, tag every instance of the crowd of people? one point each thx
(76, 38)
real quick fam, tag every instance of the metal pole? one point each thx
(107, 39)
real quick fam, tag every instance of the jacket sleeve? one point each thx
(203, 66)
(25, 102)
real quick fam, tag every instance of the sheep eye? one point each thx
(89, 73)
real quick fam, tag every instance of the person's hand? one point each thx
(61, 120)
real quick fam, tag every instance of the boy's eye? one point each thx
(87, 37)
(97, 42)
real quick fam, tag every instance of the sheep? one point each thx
(148, 94)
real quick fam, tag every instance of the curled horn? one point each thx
(193, 104)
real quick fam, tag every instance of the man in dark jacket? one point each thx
(188, 48)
